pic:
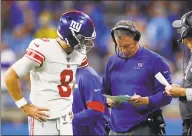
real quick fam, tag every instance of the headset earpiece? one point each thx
(112, 35)
(186, 29)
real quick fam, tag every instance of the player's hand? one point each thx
(175, 91)
(111, 103)
(137, 100)
(35, 112)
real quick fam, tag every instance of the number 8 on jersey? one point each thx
(66, 77)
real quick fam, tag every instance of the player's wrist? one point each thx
(20, 103)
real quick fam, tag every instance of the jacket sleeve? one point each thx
(159, 98)
(90, 88)
(86, 117)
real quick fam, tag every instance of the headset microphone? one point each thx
(180, 40)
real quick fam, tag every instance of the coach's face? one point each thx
(127, 45)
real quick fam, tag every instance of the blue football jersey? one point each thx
(90, 112)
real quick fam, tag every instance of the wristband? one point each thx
(189, 94)
(21, 102)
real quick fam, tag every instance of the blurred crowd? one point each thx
(23, 21)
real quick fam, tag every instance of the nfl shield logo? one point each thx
(139, 65)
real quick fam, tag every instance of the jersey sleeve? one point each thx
(35, 52)
(91, 89)
(24, 66)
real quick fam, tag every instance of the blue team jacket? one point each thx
(90, 112)
(135, 75)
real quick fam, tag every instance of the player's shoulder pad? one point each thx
(38, 43)
(36, 51)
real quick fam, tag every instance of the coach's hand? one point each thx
(35, 112)
(111, 103)
(137, 100)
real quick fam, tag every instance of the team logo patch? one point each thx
(75, 26)
(139, 65)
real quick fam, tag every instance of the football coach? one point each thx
(131, 71)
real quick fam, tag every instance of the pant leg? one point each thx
(42, 128)
(142, 130)
(187, 127)
(112, 133)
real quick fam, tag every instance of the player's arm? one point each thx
(94, 101)
(160, 99)
(11, 78)
(19, 69)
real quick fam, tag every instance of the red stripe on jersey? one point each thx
(84, 63)
(95, 105)
(32, 59)
(37, 52)
(84, 58)
(34, 56)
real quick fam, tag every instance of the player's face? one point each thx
(85, 44)
(127, 45)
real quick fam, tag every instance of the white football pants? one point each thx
(58, 126)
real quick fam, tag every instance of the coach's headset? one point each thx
(136, 36)
(186, 28)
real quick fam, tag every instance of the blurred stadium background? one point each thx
(24, 20)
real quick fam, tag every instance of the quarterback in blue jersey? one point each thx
(132, 72)
(89, 111)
